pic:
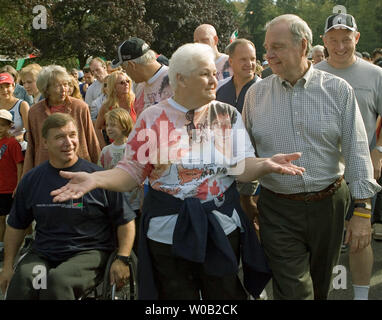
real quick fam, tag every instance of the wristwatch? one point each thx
(379, 148)
(365, 205)
(125, 259)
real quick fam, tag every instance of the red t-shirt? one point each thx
(10, 155)
(132, 112)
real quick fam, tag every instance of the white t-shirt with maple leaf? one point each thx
(160, 148)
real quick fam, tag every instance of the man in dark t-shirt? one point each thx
(74, 238)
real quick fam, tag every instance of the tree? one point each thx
(177, 26)
(75, 28)
(83, 28)
(256, 15)
(14, 25)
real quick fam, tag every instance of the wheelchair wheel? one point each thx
(128, 291)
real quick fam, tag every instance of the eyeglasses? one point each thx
(190, 126)
(124, 82)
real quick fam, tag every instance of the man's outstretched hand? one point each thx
(282, 164)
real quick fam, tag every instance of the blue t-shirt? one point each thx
(227, 93)
(63, 229)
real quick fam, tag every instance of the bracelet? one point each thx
(363, 215)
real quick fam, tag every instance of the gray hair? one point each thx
(297, 27)
(186, 59)
(230, 49)
(48, 75)
(148, 57)
(318, 48)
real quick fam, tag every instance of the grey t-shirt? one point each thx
(366, 80)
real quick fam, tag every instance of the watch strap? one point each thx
(125, 259)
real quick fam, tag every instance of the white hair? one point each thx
(186, 59)
(318, 48)
(297, 27)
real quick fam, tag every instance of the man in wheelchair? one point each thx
(74, 238)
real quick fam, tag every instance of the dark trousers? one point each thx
(302, 242)
(177, 278)
(67, 280)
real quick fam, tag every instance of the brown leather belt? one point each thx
(311, 196)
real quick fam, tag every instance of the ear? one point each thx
(180, 79)
(304, 46)
(357, 36)
(45, 143)
(230, 61)
(131, 64)
(216, 40)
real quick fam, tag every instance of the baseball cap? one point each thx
(130, 49)
(5, 114)
(6, 78)
(340, 21)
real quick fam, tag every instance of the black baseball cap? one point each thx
(340, 21)
(130, 49)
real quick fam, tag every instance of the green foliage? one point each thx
(78, 29)
(368, 14)
(176, 27)
(83, 28)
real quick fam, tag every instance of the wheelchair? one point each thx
(103, 290)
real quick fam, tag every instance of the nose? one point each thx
(269, 54)
(214, 80)
(340, 45)
(68, 141)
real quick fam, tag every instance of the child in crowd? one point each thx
(11, 168)
(118, 127)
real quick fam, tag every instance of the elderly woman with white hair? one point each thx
(53, 82)
(190, 147)
(318, 53)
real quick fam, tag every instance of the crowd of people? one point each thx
(203, 165)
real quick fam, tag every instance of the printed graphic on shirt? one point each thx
(70, 204)
(187, 163)
(2, 150)
(150, 93)
(223, 68)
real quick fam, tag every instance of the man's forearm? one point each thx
(126, 235)
(12, 242)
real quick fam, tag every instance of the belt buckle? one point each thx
(309, 196)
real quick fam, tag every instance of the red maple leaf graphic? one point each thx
(134, 143)
(164, 127)
(215, 190)
(202, 190)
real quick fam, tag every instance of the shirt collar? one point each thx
(179, 107)
(156, 75)
(304, 80)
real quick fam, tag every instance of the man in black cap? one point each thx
(140, 63)
(340, 39)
